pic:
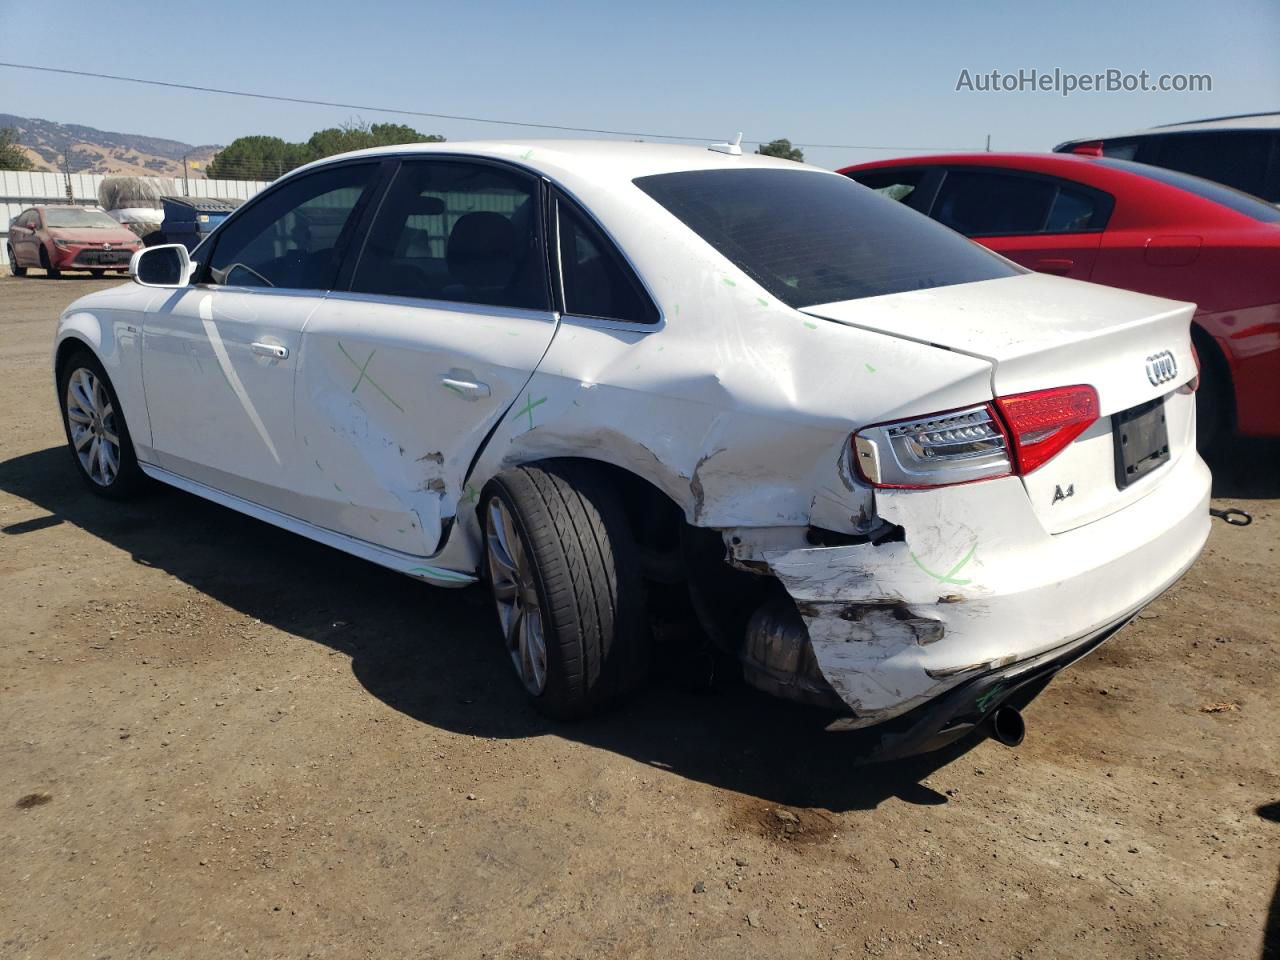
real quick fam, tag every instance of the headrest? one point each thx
(425, 206)
(481, 250)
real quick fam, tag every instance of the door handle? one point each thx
(467, 389)
(275, 351)
(1058, 265)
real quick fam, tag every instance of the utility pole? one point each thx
(66, 172)
(988, 143)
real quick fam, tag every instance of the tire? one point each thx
(16, 270)
(50, 271)
(93, 416)
(1214, 408)
(557, 545)
(97, 274)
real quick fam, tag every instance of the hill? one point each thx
(102, 151)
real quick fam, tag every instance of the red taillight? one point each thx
(1091, 149)
(1044, 422)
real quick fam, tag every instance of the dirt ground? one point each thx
(219, 739)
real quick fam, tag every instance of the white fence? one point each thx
(20, 190)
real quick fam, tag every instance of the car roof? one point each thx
(1240, 121)
(1043, 162)
(595, 160)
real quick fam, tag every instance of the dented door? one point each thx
(402, 377)
(393, 401)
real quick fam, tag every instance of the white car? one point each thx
(892, 473)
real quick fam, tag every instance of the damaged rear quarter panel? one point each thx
(736, 406)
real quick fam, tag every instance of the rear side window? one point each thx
(457, 231)
(1242, 203)
(293, 237)
(811, 238)
(596, 282)
(1075, 211)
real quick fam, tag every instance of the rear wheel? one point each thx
(566, 584)
(16, 270)
(50, 271)
(95, 428)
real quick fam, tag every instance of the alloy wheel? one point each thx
(515, 593)
(91, 421)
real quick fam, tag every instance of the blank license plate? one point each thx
(1142, 441)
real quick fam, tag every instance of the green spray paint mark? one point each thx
(364, 375)
(987, 697)
(950, 575)
(727, 282)
(527, 154)
(470, 494)
(439, 573)
(528, 408)
(811, 326)
(762, 301)
(457, 390)
(870, 368)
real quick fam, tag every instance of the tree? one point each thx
(11, 155)
(782, 149)
(256, 158)
(265, 158)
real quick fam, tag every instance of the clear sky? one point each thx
(839, 73)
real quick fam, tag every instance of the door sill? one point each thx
(405, 563)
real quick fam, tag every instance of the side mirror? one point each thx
(168, 266)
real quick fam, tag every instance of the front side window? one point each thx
(811, 238)
(457, 231)
(901, 184)
(596, 281)
(294, 236)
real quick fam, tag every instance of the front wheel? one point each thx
(566, 585)
(50, 271)
(16, 270)
(95, 428)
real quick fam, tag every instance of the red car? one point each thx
(1134, 226)
(57, 238)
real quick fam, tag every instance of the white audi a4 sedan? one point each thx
(891, 473)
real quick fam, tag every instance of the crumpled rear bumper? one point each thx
(978, 589)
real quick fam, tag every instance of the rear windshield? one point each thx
(1228, 197)
(811, 238)
(76, 217)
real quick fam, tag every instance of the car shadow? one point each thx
(1246, 468)
(435, 655)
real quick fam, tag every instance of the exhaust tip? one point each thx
(1008, 727)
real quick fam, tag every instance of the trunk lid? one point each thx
(1040, 331)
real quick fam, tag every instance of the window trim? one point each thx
(1106, 202)
(611, 249)
(391, 168)
(204, 267)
